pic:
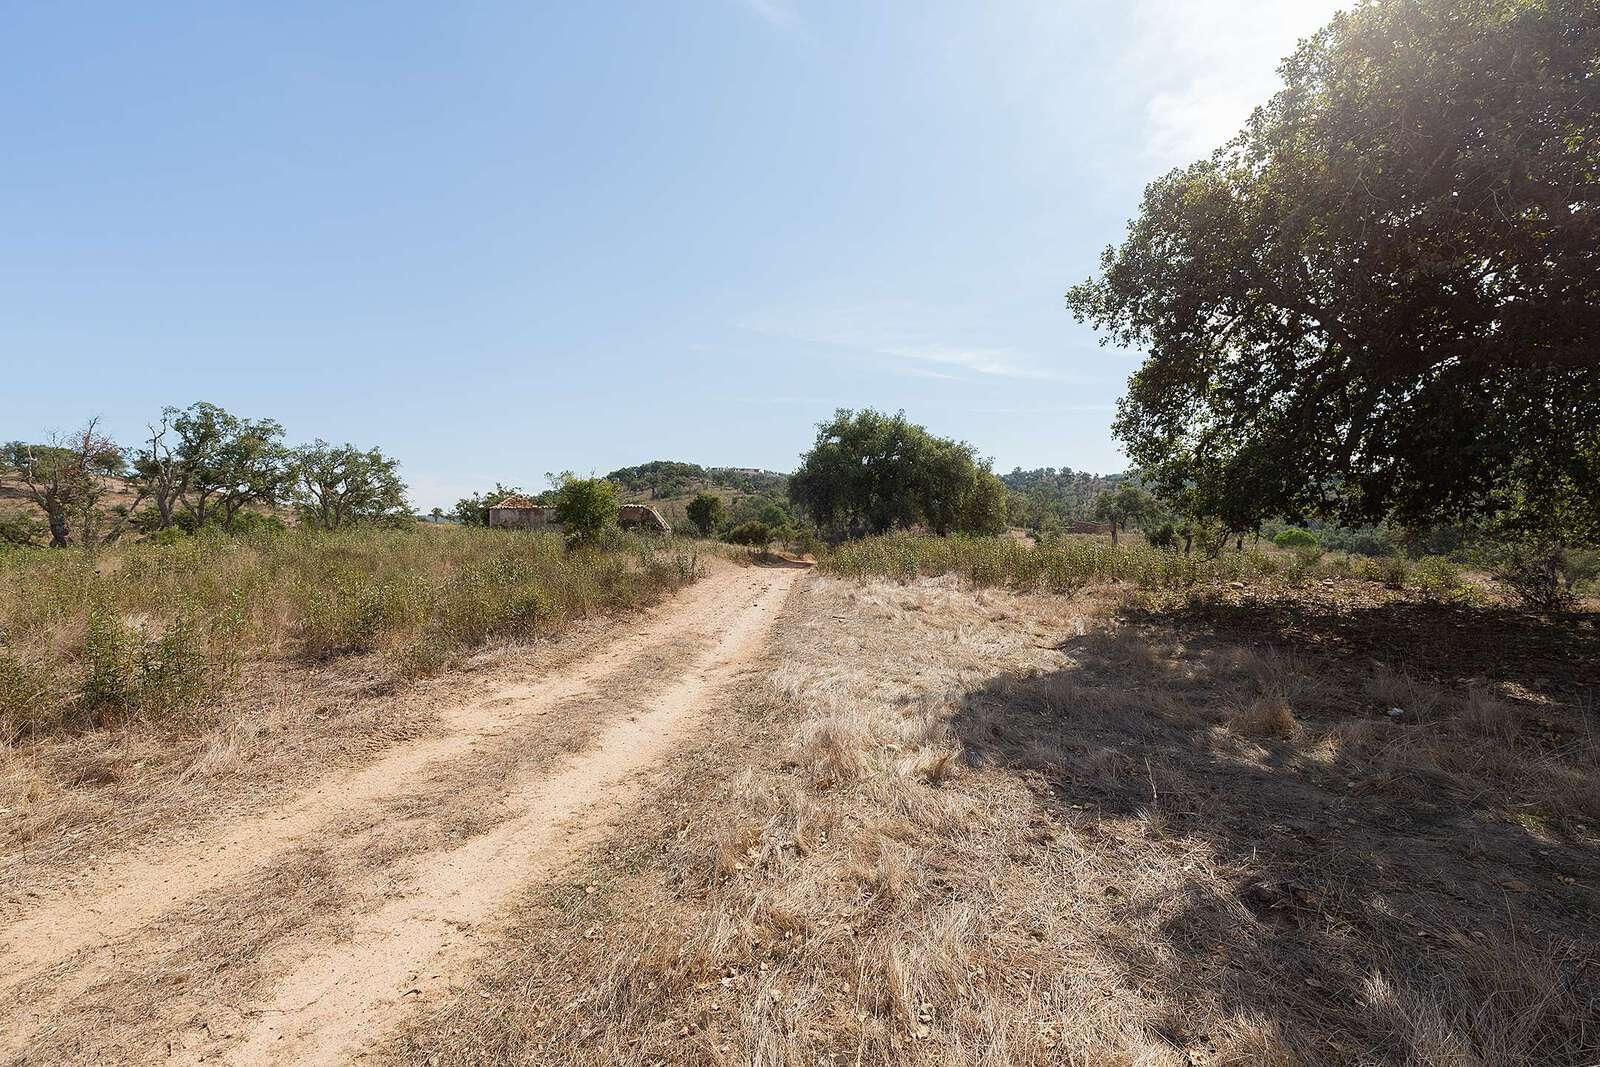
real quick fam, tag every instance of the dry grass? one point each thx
(202, 967)
(964, 826)
(161, 633)
(70, 797)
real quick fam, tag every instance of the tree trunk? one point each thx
(1113, 533)
(60, 531)
(1188, 540)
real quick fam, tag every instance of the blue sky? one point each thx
(500, 239)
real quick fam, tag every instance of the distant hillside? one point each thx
(1063, 495)
(668, 486)
(664, 478)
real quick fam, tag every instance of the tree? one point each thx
(706, 512)
(221, 463)
(585, 507)
(1382, 298)
(1123, 505)
(336, 486)
(870, 473)
(159, 472)
(65, 479)
(474, 510)
(754, 533)
(436, 514)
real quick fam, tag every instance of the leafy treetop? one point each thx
(1383, 296)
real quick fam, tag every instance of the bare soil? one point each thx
(290, 934)
(784, 819)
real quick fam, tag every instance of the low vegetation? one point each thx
(955, 825)
(1067, 564)
(161, 631)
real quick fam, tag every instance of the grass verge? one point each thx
(161, 633)
(965, 826)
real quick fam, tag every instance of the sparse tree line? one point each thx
(196, 467)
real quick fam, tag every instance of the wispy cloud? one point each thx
(1205, 66)
(990, 362)
(903, 337)
(780, 14)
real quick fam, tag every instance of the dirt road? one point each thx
(303, 933)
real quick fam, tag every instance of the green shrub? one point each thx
(1163, 536)
(1393, 571)
(706, 512)
(754, 533)
(157, 630)
(1539, 574)
(1438, 579)
(1294, 537)
(22, 528)
(586, 508)
(1303, 561)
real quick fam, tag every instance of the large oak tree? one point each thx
(869, 472)
(1382, 298)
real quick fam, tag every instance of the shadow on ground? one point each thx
(1376, 889)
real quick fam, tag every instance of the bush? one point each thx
(755, 533)
(22, 528)
(1163, 536)
(156, 631)
(1294, 537)
(1438, 579)
(1306, 558)
(586, 507)
(706, 512)
(805, 541)
(1539, 574)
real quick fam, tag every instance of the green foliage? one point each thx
(660, 478)
(754, 533)
(586, 507)
(65, 479)
(160, 632)
(336, 486)
(1439, 579)
(1064, 565)
(1125, 505)
(870, 473)
(1538, 572)
(1294, 537)
(1164, 536)
(202, 466)
(1304, 560)
(20, 528)
(1048, 497)
(667, 478)
(1393, 571)
(1380, 300)
(474, 510)
(706, 512)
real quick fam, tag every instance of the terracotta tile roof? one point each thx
(517, 501)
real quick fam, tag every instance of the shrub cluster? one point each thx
(1060, 565)
(159, 631)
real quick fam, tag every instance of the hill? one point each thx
(1046, 494)
(669, 485)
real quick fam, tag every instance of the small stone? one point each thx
(1395, 713)
(1517, 885)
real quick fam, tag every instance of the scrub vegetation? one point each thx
(161, 632)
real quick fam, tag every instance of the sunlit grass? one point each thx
(1063, 565)
(163, 630)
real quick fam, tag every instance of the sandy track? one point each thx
(332, 997)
